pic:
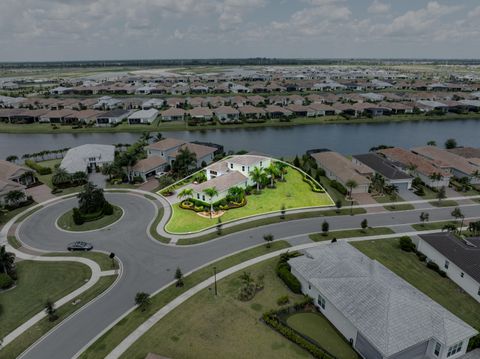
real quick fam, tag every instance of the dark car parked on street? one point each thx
(80, 246)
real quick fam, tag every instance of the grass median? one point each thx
(106, 343)
(349, 233)
(65, 221)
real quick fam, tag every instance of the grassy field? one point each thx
(444, 203)
(317, 327)
(15, 348)
(348, 233)
(294, 193)
(65, 221)
(428, 226)
(114, 336)
(406, 265)
(5, 217)
(223, 324)
(37, 282)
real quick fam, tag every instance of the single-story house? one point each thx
(108, 103)
(275, 111)
(173, 114)
(301, 110)
(143, 116)
(416, 165)
(455, 164)
(84, 116)
(221, 183)
(379, 164)
(112, 117)
(251, 112)
(226, 113)
(85, 158)
(429, 105)
(153, 103)
(322, 109)
(201, 113)
(8, 186)
(379, 313)
(148, 167)
(14, 173)
(337, 167)
(459, 258)
(57, 116)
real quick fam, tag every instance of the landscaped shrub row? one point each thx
(407, 245)
(80, 218)
(27, 202)
(271, 319)
(283, 272)
(339, 187)
(38, 168)
(313, 185)
(200, 206)
(434, 266)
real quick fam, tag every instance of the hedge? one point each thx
(41, 170)
(314, 186)
(283, 272)
(339, 187)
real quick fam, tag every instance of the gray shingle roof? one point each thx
(388, 311)
(382, 166)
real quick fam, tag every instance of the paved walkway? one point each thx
(155, 318)
(149, 186)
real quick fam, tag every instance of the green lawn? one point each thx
(37, 282)
(294, 193)
(407, 266)
(153, 227)
(333, 192)
(5, 217)
(431, 225)
(47, 179)
(348, 233)
(102, 259)
(30, 336)
(398, 206)
(222, 326)
(114, 336)
(317, 327)
(444, 203)
(65, 221)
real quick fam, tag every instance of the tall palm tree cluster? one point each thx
(184, 162)
(262, 176)
(61, 178)
(91, 199)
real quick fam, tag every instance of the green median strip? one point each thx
(430, 226)
(444, 203)
(267, 221)
(30, 336)
(154, 225)
(349, 233)
(127, 325)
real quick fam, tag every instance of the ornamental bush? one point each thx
(433, 266)
(77, 217)
(421, 257)
(339, 187)
(406, 244)
(41, 170)
(5, 281)
(107, 209)
(283, 272)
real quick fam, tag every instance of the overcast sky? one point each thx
(33, 30)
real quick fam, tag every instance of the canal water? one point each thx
(276, 141)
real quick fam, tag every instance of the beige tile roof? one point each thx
(149, 163)
(246, 160)
(343, 168)
(9, 170)
(199, 150)
(222, 183)
(166, 144)
(443, 158)
(7, 186)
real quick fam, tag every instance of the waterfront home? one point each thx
(112, 117)
(57, 116)
(169, 148)
(417, 166)
(250, 112)
(201, 113)
(7, 187)
(226, 114)
(148, 167)
(459, 258)
(11, 172)
(337, 167)
(173, 114)
(143, 116)
(379, 313)
(86, 158)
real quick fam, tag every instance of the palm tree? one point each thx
(392, 191)
(159, 137)
(237, 194)
(211, 192)
(257, 175)
(378, 183)
(15, 197)
(282, 169)
(51, 310)
(110, 169)
(7, 262)
(457, 213)
(268, 238)
(351, 184)
(184, 161)
(61, 176)
(186, 193)
(273, 172)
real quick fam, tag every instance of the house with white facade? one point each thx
(85, 158)
(143, 117)
(379, 313)
(459, 258)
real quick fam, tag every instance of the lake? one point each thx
(277, 141)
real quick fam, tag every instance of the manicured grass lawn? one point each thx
(65, 221)
(224, 327)
(37, 282)
(114, 336)
(398, 206)
(431, 226)
(429, 194)
(19, 345)
(294, 193)
(318, 237)
(270, 220)
(5, 217)
(102, 259)
(317, 327)
(444, 203)
(47, 179)
(406, 265)
(333, 192)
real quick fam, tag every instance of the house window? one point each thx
(478, 291)
(321, 302)
(203, 198)
(436, 351)
(446, 264)
(462, 274)
(309, 286)
(454, 349)
(198, 196)
(261, 164)
(243, 168)
(231, 166)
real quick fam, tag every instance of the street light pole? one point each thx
(215, 278)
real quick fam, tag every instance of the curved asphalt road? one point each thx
(149, 265)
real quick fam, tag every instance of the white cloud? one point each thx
(377, 7)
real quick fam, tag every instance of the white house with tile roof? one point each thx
(382, 315)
